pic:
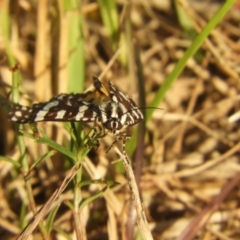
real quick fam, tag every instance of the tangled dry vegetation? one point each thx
(190, 149)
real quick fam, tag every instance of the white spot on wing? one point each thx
(131, 117)
(18, 114)
(50, 105)
(79, 116)
(82, 109)
(114, 111)
(86, 103)
(60, 114)
(61, 96)
(14, 119)
(40, 116)
(123, 119)
(114, 99)
(104, 117)
(123, 96)
(136, 115)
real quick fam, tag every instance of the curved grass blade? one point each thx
(197, 42)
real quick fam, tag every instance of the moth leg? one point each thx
(114, 142)
(92, 141)
(124, 137)
(98, 132)
(121, 137)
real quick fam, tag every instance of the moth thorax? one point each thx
(113, 116)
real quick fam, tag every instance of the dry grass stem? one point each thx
(141, 215)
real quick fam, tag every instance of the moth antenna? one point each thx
(142, 108)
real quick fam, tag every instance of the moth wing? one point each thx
(64, 107)
(134, 115)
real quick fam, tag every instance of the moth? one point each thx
(107, 107)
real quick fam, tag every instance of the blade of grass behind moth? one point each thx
(131, 65)
(139, 152)
(76, 59)
(141, 129)
(6, 42)
(20, 140)
(139, 138)
(57, 63)
(76, 62)
(5, 31)
(22, 149)
(5, 103)
(130, 48)
(42, 53)
(197, 42)
(76, 75)
(109, 15)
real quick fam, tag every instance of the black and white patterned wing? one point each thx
(64, 107)
(134, 115)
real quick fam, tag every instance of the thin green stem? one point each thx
(22, 149)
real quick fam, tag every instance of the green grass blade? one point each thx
(109, 15)
(76, 61)
(22, 220)
(22, 146)
(5, 31)
(13, 162)
(56, 146)
(97, 195)
(61, 232)
(43, 157)
(27, 134)
(50, 219)
(198, 41)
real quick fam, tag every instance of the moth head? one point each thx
(113, 117)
